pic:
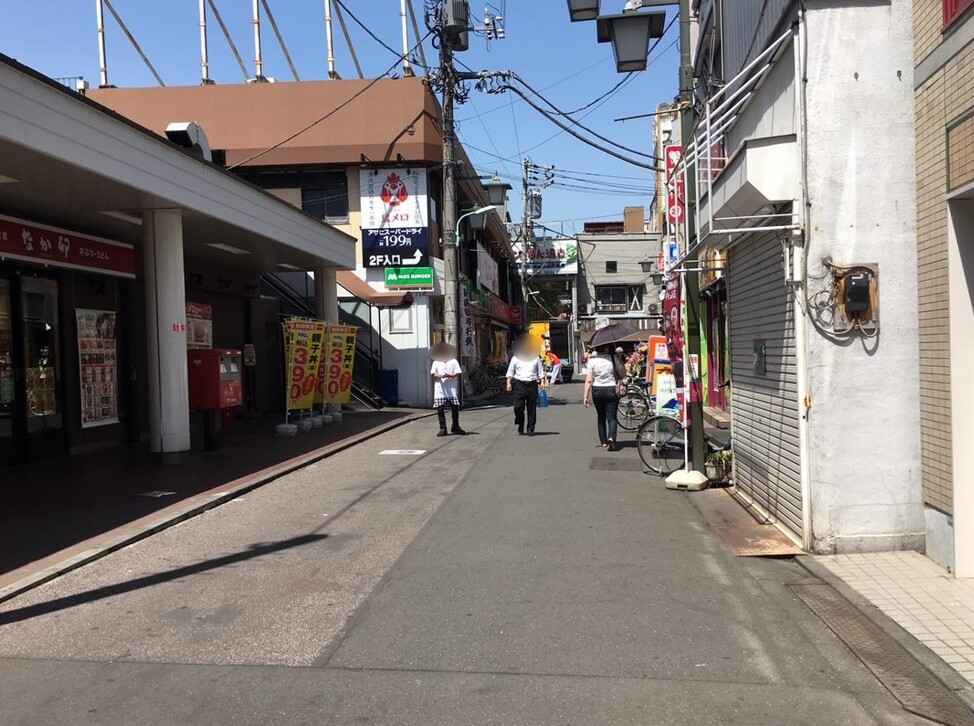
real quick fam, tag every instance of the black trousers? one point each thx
(454, 410)
(607, 406)
(525, 396)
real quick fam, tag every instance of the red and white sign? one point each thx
(676, 208)
(20, 240)
(393, 198)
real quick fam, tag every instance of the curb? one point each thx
(212, 498)
(953, 680)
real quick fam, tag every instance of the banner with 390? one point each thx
(335, 374)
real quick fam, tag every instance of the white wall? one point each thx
(864, 417)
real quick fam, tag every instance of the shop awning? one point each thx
(365, 292)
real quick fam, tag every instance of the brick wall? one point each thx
(942, 99)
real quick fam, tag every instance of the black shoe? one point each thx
(520, 431)
(456, 430)
(442, 432)
(530, 433)
(611, 446)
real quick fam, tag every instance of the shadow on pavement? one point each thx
(100, 593)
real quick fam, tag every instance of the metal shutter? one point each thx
(764, 407)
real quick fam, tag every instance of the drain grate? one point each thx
(603, 464)
(916, 688)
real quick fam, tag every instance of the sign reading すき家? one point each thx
(394, 223)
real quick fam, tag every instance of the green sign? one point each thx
(411, 277)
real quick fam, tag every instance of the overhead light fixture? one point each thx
(286, 266)
(227, 248)
(400, 160)
(646, 264)
(364, 161)
(497, 191)
(583, 10)
(123, 216)
(7, 180)
(630, 34)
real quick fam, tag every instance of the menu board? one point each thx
(99, 373)
(199, 325)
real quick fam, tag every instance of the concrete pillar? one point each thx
(326, 293)
(165, 291)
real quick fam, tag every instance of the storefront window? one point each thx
(7, 379)
(40, 304)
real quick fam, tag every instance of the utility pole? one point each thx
(527, 240)
(691, 373)
(451, 266)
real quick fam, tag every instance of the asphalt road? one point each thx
(493, 579)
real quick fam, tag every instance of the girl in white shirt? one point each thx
(604, 371)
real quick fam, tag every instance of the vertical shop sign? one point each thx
(97, 351)
(676, 208)
(673, 320)
(199, 325)
(394, 205)
(304, 346)
(335, 379)
(467, 345)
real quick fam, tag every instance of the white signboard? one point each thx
(488, 274)
(549, 256)
(393, 198)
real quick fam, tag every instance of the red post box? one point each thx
(214, 379)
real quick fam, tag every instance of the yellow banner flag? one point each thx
(335, 376)
(305, 345)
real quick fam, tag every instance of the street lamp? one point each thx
(583, 9)
(456, 251)
(630, 33)
(497, 191)
(471, 213)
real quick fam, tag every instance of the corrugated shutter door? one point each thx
(764, 405)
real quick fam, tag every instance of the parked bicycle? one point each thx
(488, 379)
(634, 405)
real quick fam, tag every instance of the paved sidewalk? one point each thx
(920, 596)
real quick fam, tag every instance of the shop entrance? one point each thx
(31, 411)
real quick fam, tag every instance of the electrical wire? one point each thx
(379, 40)
(331, 113)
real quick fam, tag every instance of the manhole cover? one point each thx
(916, 688)
(603, 464)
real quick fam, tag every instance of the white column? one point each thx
(165, 291)
(326, 293)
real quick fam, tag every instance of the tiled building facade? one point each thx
(944, 85)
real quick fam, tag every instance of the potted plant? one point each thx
(718, 465)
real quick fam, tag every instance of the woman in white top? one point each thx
(600, 388)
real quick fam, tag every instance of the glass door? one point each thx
(42, 386)
(8, 381)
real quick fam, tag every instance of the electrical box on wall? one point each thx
(855, 298)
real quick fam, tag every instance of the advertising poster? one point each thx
(199, 325)
(394, 217)
(335, 377)
(97, 351)
(673, 320)
(549, 257)
(304, 340)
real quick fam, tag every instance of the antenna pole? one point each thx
(102, 56)
(204, 46)
(258, 58)
(332, 73)
(406, 69)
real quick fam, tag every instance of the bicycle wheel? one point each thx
(660, 442)
(633, 410)
(498, 384)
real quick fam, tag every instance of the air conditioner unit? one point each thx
(653, 308)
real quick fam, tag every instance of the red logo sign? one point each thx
(21, 240)
(394, 190)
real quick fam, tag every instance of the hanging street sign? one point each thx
(676, 209)
(399, 278)
(395, 205)
(395, 247)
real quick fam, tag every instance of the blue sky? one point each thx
(560, 59)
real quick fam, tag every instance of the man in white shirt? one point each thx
(525, 375)
(446, 373)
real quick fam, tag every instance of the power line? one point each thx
(333, 111)
(379, 40)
